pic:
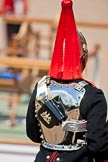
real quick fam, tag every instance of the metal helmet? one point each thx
(83, 49)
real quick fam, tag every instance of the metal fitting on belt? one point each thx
(61, 147)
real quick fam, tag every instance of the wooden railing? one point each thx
(92, 24)
(21, 63)
(19, 20)
(25, 63)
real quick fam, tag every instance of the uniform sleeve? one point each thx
(94, 110)
(32, 128)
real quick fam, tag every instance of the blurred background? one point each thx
(27, 34)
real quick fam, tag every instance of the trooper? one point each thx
(67, 114)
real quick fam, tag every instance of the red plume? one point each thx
(66, 56)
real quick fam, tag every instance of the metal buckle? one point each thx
(74, 125)
(79, 86)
